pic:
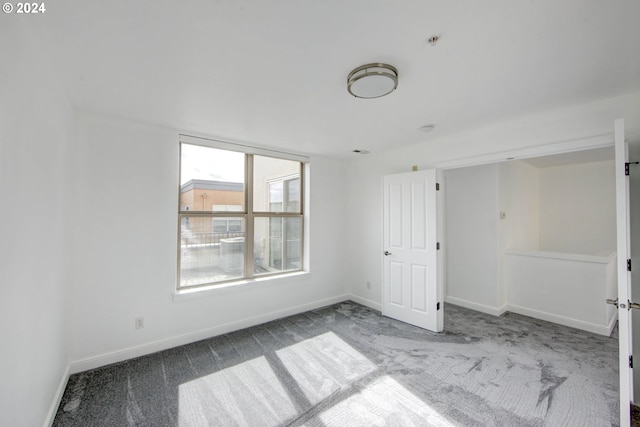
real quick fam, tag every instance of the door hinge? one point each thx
(437, 246)
(626, 167)
(631, 362)
(629, 265)
(437, 306)
(437, 186)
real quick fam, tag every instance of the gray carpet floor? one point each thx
(346, 365)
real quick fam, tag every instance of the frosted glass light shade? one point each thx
(372, 80)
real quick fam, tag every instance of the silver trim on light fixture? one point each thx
(372, 80)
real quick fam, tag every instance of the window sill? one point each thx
(237, 286)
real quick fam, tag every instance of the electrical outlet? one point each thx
(368, 285)
(139, 322)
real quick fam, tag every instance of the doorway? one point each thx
(551, 215)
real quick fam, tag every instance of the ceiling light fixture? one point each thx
(372, 80)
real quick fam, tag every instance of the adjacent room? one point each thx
(201, 211)
(526, 236)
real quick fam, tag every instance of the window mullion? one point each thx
(204, 258)
(284, 242)
(249, 240)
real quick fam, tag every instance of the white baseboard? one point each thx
(57, 398)
(566, 321)
(494, 311)
(152, 347)
(542, 315)
(366, 302)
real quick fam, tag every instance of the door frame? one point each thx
(623, 239)
(559, 147)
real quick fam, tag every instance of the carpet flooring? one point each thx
(635, 416)
(346, 365)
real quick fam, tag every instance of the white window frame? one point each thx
(248, 214)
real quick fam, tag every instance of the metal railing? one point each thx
(207, 239)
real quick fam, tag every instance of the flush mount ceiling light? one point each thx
(372, 80)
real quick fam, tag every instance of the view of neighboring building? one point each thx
(205, 195)
(212, 244)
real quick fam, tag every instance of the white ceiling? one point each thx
(274, 72)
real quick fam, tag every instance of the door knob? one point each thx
(387, 253)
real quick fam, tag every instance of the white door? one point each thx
(410, 280)
(624, 276)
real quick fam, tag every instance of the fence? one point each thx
(206, 239)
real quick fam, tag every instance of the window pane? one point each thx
(275, 196)
(277, 245)
(211, 249)
(276, 185)
(211, 179)
(292, 193)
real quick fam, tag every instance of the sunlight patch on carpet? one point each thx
(323, 365)
(246, 394)
(384, 402)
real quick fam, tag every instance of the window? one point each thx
(235, 201)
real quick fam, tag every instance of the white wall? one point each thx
(568, 289)
(574, 126)
(35, 130)
(577, 208)
(477, 239)
(125, 260)
(471, 207)
(519, 200)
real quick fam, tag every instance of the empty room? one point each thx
(319, 213)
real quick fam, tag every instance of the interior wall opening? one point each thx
(534, 236)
